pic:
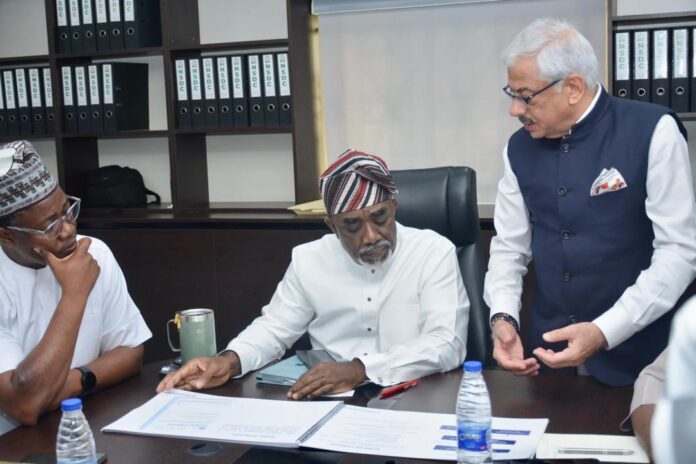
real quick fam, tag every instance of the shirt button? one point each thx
(364, 354)
(373, 271)
(369, 299)
(565, 234)
(566, 276)
(562, 191)
(369, 329)
(565, 148)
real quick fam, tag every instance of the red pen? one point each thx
(393, 390)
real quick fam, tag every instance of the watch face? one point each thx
(89, 380)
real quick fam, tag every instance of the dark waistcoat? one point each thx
(588, 249)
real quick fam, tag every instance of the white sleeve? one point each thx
(671, 208)
(441, 344)
(10, 347)
(283, 321)
(510, 247)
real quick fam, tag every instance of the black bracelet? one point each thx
(507, 318)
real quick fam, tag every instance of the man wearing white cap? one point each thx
(68, 326)
(387, 310)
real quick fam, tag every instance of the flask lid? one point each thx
(473, 366)
(71, 404)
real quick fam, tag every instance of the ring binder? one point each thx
(62, 30)
(225, 108)
(660, 70)
(23, 110)
(197, 114)
(270, 94)
(10, 104)
(622, 64)
(48, 100)
(82, 114)
(69, 119)
(255, 97)
(102, 25)
(183, 109)
(641, 66)
(38, 116)
(3, 112)
(76, 44)
(239, 99)
(89, 38)
(284, 98)
(680, 70)
(115, 24)
(96, 118)
(209, 86)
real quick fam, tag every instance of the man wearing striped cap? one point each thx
(386, 310)
(68, 326)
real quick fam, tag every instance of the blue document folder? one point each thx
(284, 372)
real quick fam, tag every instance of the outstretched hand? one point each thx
(508, 350)
(584, 339)
(204, 372)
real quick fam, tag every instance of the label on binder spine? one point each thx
(128, 10)
(268, 76)
(48, 90)
(640, 65)
(35, 87)
(107, 84)
(195, 76)
(237, 77)
(181, 91)
(208, 79)
(22, 99)
(680, 50)
(115, 10)
(61, 14)
(9, 90)
(622, 56)
(80, 86)
(74, 12)
(93, 84)
(100, 6)
(254, 76)
(283, 75)
(67, 87)
(87, 11)
(660, 53)
(223, 82)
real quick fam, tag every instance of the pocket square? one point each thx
(609, 180)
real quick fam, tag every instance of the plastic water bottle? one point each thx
(75, 442)
(473, 417)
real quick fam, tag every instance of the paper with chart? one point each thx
(183, 414)
(418, 435)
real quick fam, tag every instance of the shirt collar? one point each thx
(598, 92)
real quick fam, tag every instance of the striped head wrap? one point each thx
(24, 180)
(356, 180)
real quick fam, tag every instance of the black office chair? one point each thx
(444, 200)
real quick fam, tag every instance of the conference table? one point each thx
(573, 404)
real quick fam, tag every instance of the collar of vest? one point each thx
(594, 116)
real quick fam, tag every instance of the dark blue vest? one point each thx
(588, 250)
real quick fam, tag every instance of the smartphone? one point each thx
(50, 458)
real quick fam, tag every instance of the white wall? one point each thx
(23, 28)
(242, 20)
(634, 7)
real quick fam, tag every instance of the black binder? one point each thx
(76, 44)
(196, 100)
(81, 91)
(69, 109)
(115, 24)
(103, 31)
(141, 23)
(270, 89)
(693, 70)
(23, 108)
(641, 66)
(96, 119)
(680, 70)
(38, 114)
(125, 92)
(10, 103)
(62, 28)
(48, 100)
(225, 109)
(238, 78)
(255, 93)
(660, 67)
(3, 112)
(89, 38)
(284, 93)
(183, 109)
(622, 64)
(209, 93)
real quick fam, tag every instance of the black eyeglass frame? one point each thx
(54, 228)
(527, 99)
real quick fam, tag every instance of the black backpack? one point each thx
(117, 186)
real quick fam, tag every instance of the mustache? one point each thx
(372, 247)
(525, 120)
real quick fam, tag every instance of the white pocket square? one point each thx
(609, 180)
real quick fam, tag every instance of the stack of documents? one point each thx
(284, 372)
(311, 208)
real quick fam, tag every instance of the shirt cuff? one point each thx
(375, 365)
(616, 326)
(246, 355)
(505, 304)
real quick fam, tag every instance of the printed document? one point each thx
(604, 448)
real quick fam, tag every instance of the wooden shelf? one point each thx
(131, 134)
(12, 138)
(656, 19)
(687, 116)
(116, 53)
(236, 130)
(232, 46)
(24, 60)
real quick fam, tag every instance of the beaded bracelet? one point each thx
(507, 318)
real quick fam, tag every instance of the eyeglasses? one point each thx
(526, 99)
(53, 229)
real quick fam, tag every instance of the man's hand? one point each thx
(584, 339)
(325, 378)
(205, 372)
(508, 351)
(76, 273)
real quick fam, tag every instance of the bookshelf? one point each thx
(185, 152)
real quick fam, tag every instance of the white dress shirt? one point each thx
(669, 205)
(404, 319)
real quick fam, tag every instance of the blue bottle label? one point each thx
(473, 438)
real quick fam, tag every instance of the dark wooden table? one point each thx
(573, 405)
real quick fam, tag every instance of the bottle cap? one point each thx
(71, 404)
(473, 366)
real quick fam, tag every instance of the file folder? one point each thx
(693, 70)
(209, 93)
(225, 112)
(270, 92)
(96, 119)
(89, 38)
(660, 67)
(48, 100)
(81, 96)
(62, 28)
(69, 110)
(23, 109)
(239, 100)
(125, 92)
(10, 103)
(141, 23)
(641, 66)
(76, 44)
(284, 105)
(3, 112)
(255, 94)
(38, 116)
(196, 101)
(622, 64)
(680, 70)
(102, 25)
(183, 109)
(115, 24)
